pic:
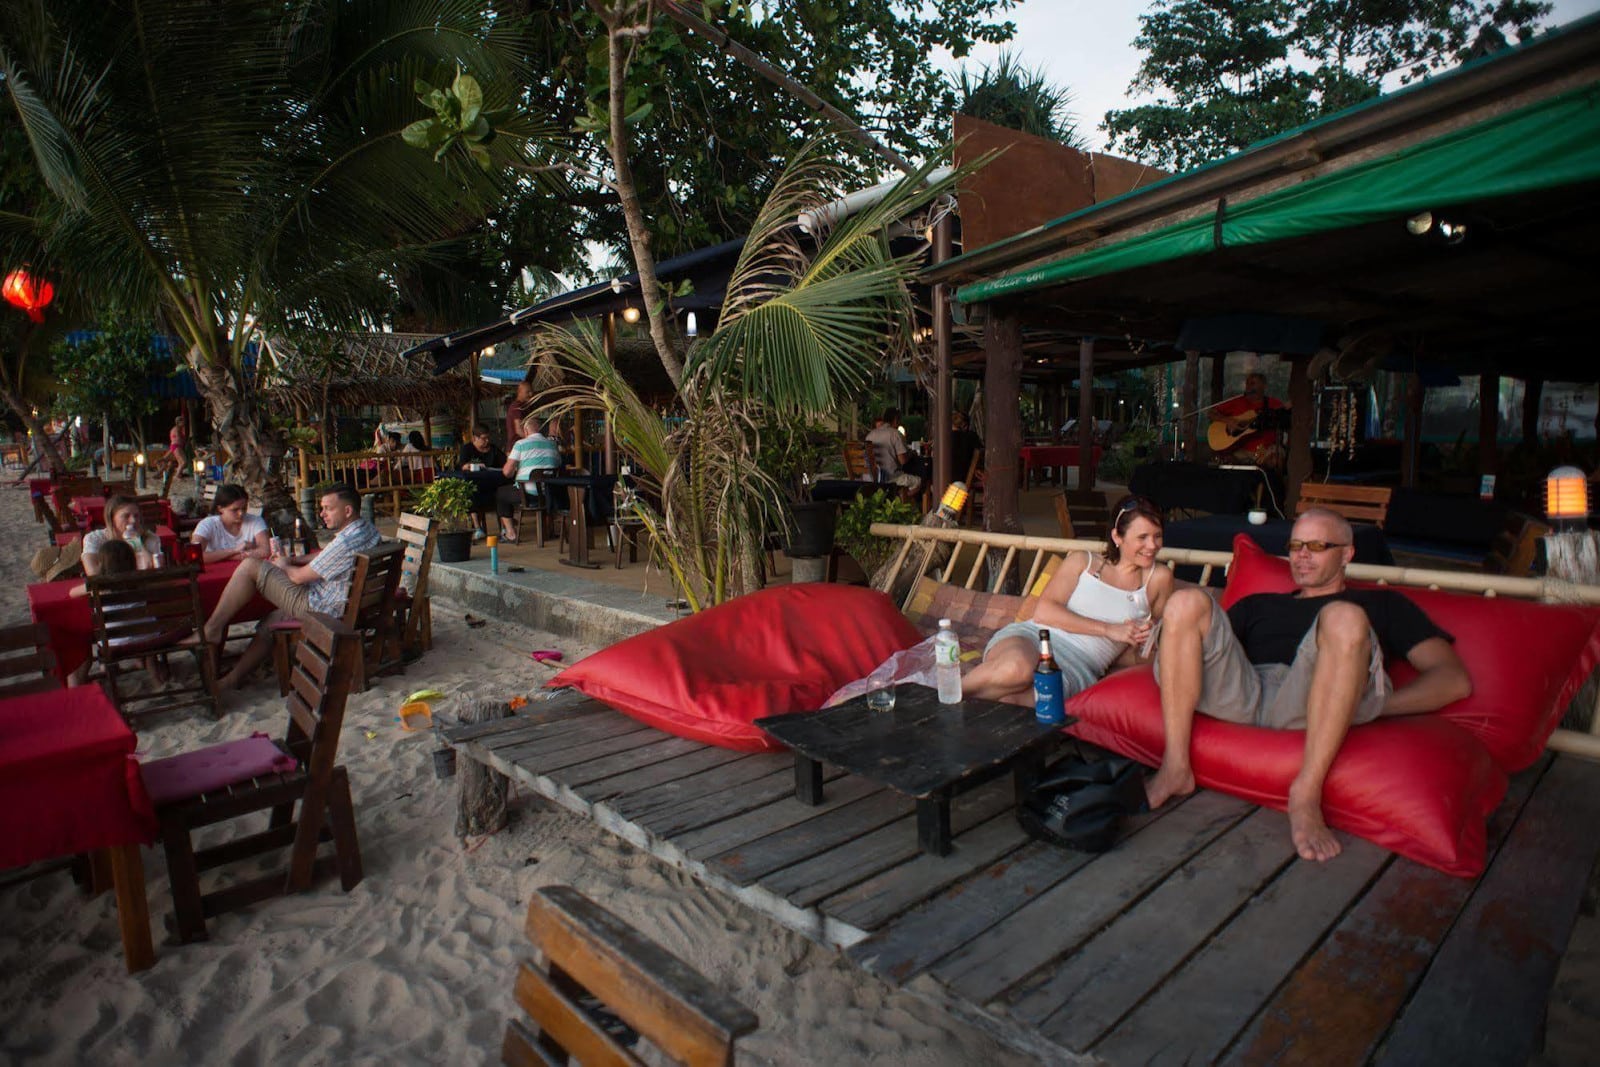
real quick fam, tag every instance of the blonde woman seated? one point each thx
(123, 523)
(1098, 609)
(230, 533)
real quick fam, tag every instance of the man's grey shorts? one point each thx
(1273, 695)
(293, 600)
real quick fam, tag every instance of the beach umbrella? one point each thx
(30, 294)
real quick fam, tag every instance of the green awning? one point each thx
(1552, 143)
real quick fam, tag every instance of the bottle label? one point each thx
(1049, 705)
(947, 653)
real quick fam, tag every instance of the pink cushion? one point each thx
(1418, 785)
(189, 774)
(708, 677)
(1526, 660)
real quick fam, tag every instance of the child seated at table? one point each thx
(117, 557)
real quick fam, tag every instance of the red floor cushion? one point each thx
(1420, 785)
(1526, 660)
(189, 774)
(709, 676)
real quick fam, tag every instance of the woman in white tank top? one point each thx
(1097, 609)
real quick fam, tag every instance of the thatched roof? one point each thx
(366, 369)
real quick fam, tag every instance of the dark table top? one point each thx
(921, 746)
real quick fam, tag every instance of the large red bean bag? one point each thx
(1419, 785)
(709, 676)
(1526, 660)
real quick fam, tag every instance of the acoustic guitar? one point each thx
(1224, 435)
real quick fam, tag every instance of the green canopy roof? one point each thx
(1548, 144)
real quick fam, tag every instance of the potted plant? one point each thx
(794, 455)
(448, 501)
(854, 529)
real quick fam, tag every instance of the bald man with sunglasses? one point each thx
(1309, 660)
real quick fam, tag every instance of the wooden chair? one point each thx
(540, 508)
(151, 613)
(413, 614)
(1084, 514)
(1358, 503)
(324, 661)
(369, 611)
(1516, 547)
(590, 953)
(66, 490)
(859, 462)
(152, 512)
(27, 663)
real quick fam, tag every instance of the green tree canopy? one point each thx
(107, 372)
(1227, 74)
(1009, 94)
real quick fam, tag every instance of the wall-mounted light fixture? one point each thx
(1566, 498)
(1420, 223)
(630, 314)
(691, 325)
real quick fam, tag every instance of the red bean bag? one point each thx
(1526, 660)
(707, 677)
(1419, 785)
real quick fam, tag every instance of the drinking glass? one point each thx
(881, 699)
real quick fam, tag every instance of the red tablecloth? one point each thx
(68, 779)
(72, 625)
(169, 540)
(91, 511)
(1057, 456)
(40, 486)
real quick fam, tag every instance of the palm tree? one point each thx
(800, 330)
(240, 166)
(1019, 98)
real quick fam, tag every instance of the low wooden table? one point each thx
(923, 749)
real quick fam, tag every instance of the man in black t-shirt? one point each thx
(1310, 660)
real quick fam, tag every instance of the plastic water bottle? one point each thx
(1049, 703)
(494, 553)
(156, 558)
(300, 534)
(947, 663)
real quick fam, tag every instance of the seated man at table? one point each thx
(535, 453)
(895, 464)
(1309, 660)
(295, 585)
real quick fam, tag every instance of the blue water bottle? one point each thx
(1049, 699)
(494, 553)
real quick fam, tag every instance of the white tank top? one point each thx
(1094, 598)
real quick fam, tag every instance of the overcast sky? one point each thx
(1087, 46)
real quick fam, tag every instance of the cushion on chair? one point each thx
(1420, 785)
(1526, 660)
(774, 651)
(190, 774)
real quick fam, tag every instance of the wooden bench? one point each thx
(1358, 503)
(590, 953)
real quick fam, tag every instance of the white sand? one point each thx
(416, 964)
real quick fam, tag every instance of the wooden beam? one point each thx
(608, 339)
(1531, 398)
(1411, 448)
(1086, 413)
(1301, 416)
(1189, 401)
(942, 382)
(1002, 391)
(1219, 378)
(1488, 423)
(472, 403)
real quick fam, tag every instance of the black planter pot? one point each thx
(813, 528)
(455, 546)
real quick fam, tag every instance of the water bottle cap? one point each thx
(944, 624)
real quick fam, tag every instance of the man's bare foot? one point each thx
(1167, 783)
(1312, 838)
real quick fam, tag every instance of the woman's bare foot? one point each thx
(1166, 783)
(1311, 836)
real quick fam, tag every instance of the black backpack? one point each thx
(1079, 803)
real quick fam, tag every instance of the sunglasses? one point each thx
(1316, 546)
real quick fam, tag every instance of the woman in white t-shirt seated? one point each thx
(229, 533)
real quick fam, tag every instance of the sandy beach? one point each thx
(415, 965)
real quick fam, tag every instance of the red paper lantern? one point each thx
(30, 294)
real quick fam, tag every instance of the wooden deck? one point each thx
(1199, 938)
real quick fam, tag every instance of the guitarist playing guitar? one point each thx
(1246, 430)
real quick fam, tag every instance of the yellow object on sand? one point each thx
(416, 715)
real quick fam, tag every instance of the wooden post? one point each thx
(472, 393)
(608, 343)
(483, 789)
(1219, 378)
(1189, 402)
(427, 430)
(1488, 423)
(1002, 393)
(1531, 397)
(1301, 418)
(1411, 448)
(942, 378)
(1086, 413)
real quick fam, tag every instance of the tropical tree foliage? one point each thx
(106, 373)
(1009, 94)
(240, 166)
(801, 329)
(1226, 74)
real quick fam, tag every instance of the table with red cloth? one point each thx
(168, 536)
(69, 784)
(71, 622)
(91, 511)
(1056, 456)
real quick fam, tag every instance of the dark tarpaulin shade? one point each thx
(1548, 144)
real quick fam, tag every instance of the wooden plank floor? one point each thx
(1200, 938)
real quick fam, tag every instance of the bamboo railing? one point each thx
(1573, 742)
(390, 475)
